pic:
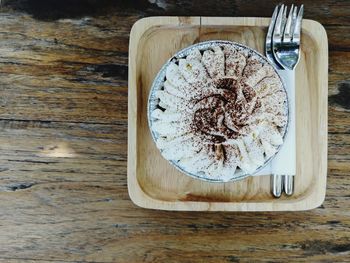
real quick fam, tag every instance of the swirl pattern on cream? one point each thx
(220, 112)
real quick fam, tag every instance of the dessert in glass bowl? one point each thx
(218, 111)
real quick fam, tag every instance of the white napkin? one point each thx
(284, 163)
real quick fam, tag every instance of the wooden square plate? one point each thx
(154, 183)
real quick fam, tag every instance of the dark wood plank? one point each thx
(51, 75)
(327, 12)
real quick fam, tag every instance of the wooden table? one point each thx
(63, 145)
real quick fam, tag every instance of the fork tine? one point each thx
(284, 19)
(277, 30)
(269, 39)
(272, 23)
(297, 28)
(294, 18)
(287, 31)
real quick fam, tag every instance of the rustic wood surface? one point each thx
(63, 145)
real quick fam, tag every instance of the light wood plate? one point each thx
(154, 183)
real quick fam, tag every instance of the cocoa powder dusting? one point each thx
(221, 116)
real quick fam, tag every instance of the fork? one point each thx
(286, 49)
(282, 50)
(276, 180)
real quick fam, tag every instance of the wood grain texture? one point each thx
(154, 183)
(76, 208)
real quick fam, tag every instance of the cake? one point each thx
(219, 112)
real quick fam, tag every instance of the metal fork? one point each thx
(276, 180)
(286, 37)
(286, 49)
(282, 50)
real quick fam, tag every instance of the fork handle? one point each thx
(284, 164)
(285, 160)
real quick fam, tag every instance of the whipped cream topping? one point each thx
(221, 112)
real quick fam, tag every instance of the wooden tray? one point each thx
(154, 183)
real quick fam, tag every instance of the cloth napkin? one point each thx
(284, 163)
